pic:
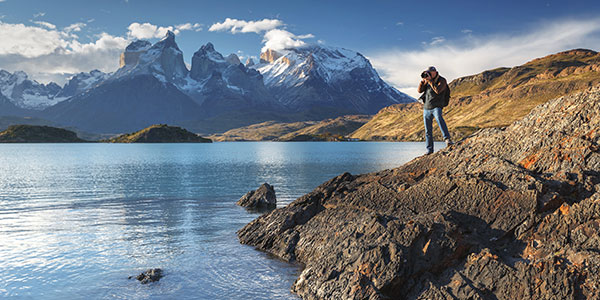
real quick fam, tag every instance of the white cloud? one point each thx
(49, 54)
(28, 41)
(75, 27)
(45, 24)
(474, 54)
(237, 26)
(467, 31)
(40, 14)
(149, 31)
(279, 39)
(400, 23)
(274, 37)
(189, 26)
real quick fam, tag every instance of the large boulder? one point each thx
(263, 197)
(508, 213)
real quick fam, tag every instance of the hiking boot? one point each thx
(449, 142)
(427, 153)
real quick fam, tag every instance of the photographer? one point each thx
(433, 86)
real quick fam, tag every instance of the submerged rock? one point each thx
(263, 197)
(150, 275)
(508, 213)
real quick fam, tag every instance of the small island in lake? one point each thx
(38, 134)
(160, 133)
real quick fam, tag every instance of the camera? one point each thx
(425, 74)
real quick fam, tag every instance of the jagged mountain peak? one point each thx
(233, 59)
(163, 60)
(249, 62)
(168, 41)
(269, 56)
(208, 47)
(208, 50)
(138, 45)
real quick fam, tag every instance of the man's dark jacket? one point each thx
(434, 92)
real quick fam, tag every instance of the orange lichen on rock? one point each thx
(529, 161)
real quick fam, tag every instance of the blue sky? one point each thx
(400, 37)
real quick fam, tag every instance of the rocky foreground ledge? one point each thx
(508, 213)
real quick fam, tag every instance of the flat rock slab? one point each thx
(263, 197)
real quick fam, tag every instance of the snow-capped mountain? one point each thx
(31, 95)
(82, 82)
(215, 82)
(153, 85)
(319, 76)
(224, 83)
(163, 60)
(26, 93)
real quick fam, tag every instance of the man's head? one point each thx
(433, 71)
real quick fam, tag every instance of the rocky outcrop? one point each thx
(38, 134)
(150, 275)
(269, 56)
(263, 197)
(506, 214)
(132, 53)
(160, 133)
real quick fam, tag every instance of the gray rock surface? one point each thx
(150, 275)
(263, 197)
(507, 213)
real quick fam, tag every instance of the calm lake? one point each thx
(77, 219)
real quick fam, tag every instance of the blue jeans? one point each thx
(428, 115)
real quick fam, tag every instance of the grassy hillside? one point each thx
(264, 131)
(160, 133)
(329, 129)
(494, 98)
(38, 134)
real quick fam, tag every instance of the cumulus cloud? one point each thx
(149, 31)
(474, 54)
(29, 41)
(273, 30)
(50, 54)
(237, 26)
(278, 39)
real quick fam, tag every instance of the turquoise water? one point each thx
(77, 219)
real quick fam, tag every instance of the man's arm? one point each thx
(440, 86)
(422, 86)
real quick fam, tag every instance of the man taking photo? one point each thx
(433, 86)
